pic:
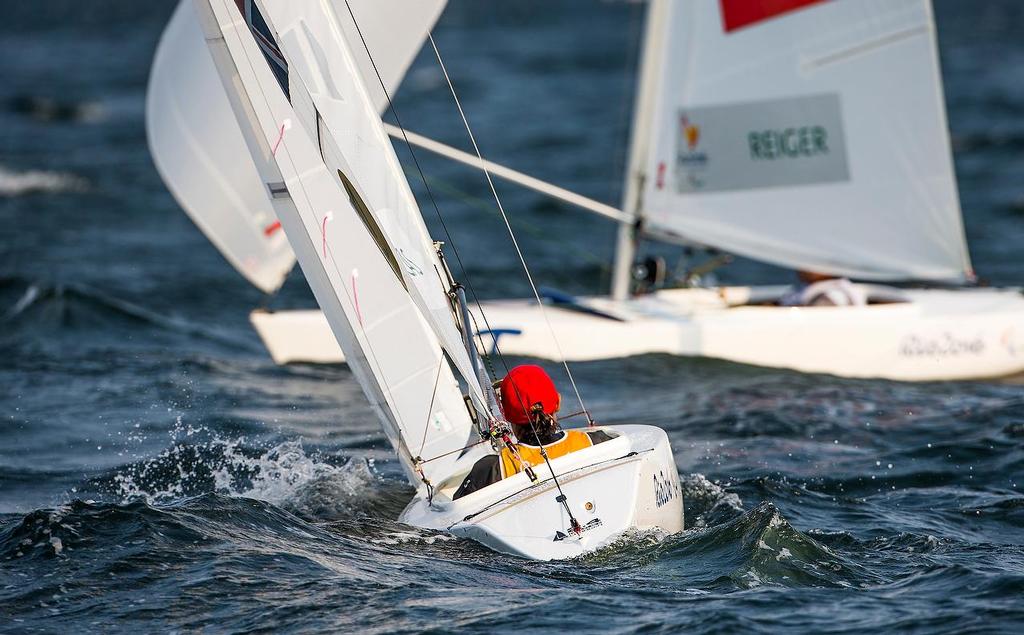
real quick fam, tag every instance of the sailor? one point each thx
(529, 402)
(819, 289)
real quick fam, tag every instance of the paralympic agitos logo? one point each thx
(690, 159)
(690, 132)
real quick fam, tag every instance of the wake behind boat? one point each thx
(316, 140)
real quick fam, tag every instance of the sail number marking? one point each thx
(664, 490)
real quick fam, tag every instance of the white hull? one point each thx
(935, 335)
(629, 482)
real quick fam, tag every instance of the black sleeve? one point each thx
(485, 471)
(599, 436)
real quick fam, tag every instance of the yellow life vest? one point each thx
(572, 441)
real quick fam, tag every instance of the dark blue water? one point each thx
(159, 473)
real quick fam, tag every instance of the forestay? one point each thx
(199, 149)
(810, 133)
(350, 263)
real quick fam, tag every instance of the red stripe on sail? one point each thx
(271, 228)
(737, 14)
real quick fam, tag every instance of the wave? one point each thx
(706, 503)
(310, 484)
(771, 551)
(987, 140)
(46, 308)
(207, 488)
(14, 183)
(48, 109)
(756, 548)
(105, 565)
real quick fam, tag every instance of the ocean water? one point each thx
(158, 473)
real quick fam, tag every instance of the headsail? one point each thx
(811, 134)
(199, 149)
(202, 157)
(353, 268)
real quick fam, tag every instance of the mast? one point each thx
(651, 63)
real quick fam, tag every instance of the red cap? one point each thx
(524, 387)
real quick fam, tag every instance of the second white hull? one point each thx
(935, 335)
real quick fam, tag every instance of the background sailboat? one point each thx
(813, 136)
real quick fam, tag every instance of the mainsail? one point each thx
(350, 132)
(807, 133)
(200, 151)
(359, 272)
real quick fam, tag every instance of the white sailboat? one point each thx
(810, 135)
(317, 143)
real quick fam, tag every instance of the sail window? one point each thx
(268, 45)
(371, 226)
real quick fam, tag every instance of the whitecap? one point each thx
(19, 183)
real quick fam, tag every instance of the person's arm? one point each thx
(485, 471)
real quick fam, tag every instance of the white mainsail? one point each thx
(199, 149)
(351, 133)
(352, 265)
(807, 133)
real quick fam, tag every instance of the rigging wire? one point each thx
(508, 225)
(430, 408)
(536, 232)
(430, 193)
(561, 498)
(575, 525)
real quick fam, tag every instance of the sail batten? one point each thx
(811, 136)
